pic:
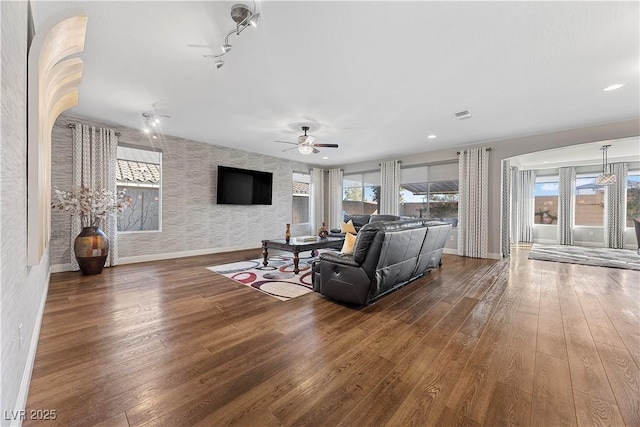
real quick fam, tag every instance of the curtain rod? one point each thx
(73, 126)
(397, 161)
(458, 152)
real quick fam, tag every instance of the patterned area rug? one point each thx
(276, 279)
(602, 257)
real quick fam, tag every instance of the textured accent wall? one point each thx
(191, 219)
(22, 288)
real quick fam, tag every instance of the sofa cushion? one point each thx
(347, 227)
(380, 217)
(358, 220)
(349, 241)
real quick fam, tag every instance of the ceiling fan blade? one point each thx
(287, 149)
(315, 151)
(326, 145)
(287, 142)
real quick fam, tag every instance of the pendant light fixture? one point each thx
(605, 178)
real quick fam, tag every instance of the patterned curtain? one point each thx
(316, 217)
(526, 183)
(506, 208)
(335, 198)
(566, 205)
(617, 206)
(473, 205)
(515, 220)
(94, 166)
(390, 187)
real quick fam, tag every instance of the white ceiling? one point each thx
(374, 77)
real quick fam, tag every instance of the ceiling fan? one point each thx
(306, 144)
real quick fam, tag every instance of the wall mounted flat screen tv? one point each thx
(243, 186)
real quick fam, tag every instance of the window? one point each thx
(138, 171)
(430, 191)
(300, 214)
(589, 201)
(546, 190)
(360, 193)
(633, 197)
(429, 199)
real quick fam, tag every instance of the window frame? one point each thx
(308, 196)
(364, 178)
(143, 185)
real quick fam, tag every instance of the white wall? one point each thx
(192, 222)
(22, 289)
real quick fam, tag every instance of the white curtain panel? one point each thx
(390, 187)
(526, 202)
(566, 204)
(617, 206)
(473, 205)
(317, 199)
(335, 198)
(506, 208)
(94, 166)
(515, 219)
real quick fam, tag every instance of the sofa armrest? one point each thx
(338, 258)
(339, 277)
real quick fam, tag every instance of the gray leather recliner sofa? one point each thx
(386, 255)
(360, 221)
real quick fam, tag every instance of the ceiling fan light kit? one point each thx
(306, 144)
(305, 149)
(244, 17)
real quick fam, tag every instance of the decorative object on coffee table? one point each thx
(91, 247)
(287, 233)
(323, 232)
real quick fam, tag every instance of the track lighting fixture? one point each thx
(243, 17)
(151, 123)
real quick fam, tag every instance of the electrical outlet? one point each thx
(451, 238)
(20, 336)
(591, 233)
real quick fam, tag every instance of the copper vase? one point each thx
(91, 248)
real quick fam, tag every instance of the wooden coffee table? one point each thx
(298, 245)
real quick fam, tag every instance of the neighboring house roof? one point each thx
(128, 170)
(300, 187)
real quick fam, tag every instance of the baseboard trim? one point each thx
(451, 251)
(183, 254)
(23, 393)
(57, 268)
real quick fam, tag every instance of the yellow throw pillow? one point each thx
(349, 242)
(347, 227)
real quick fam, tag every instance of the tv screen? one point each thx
(243, 186)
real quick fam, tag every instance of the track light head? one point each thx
(219, 63)
(254, 20)
(226, 47)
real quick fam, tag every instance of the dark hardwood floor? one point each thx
(477, 342)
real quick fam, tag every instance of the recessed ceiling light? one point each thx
(325, 158)
(431, 136)
(613, 87)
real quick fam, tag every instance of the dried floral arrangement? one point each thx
(92, 206)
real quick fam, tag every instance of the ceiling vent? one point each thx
(462, 115)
